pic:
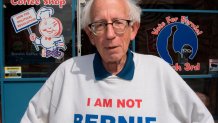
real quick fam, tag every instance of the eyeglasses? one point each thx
(119, 26)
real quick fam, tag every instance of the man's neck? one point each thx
(115, 67)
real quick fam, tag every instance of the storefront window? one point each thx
(48, 25)
(180, 4)
(162, 33)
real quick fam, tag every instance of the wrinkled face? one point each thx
(111, 46)
(50, 27)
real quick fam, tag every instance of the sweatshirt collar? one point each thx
(126, 73)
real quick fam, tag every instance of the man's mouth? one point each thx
(110, 48)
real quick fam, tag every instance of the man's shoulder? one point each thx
(78, 62)
(147, 58)
(80, 59)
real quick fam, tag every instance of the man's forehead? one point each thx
(110, 3)
(115, 7)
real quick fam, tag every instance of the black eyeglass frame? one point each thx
(105, 23)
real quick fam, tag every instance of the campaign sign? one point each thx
(24, 20)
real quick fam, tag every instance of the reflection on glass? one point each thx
(179, 4)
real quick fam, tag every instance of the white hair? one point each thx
(134, 12)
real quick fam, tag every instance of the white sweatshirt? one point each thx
(156, 94)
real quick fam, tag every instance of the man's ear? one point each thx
(90, 35)
(134, 30)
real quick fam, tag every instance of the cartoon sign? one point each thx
(50, 28)
(180, 36)
(24, 20)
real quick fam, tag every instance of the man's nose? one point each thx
(110, 32)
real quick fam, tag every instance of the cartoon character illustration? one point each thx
(50, 28)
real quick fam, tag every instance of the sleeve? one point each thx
(183, 102)
(39, 106)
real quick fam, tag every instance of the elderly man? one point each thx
(115, 85)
